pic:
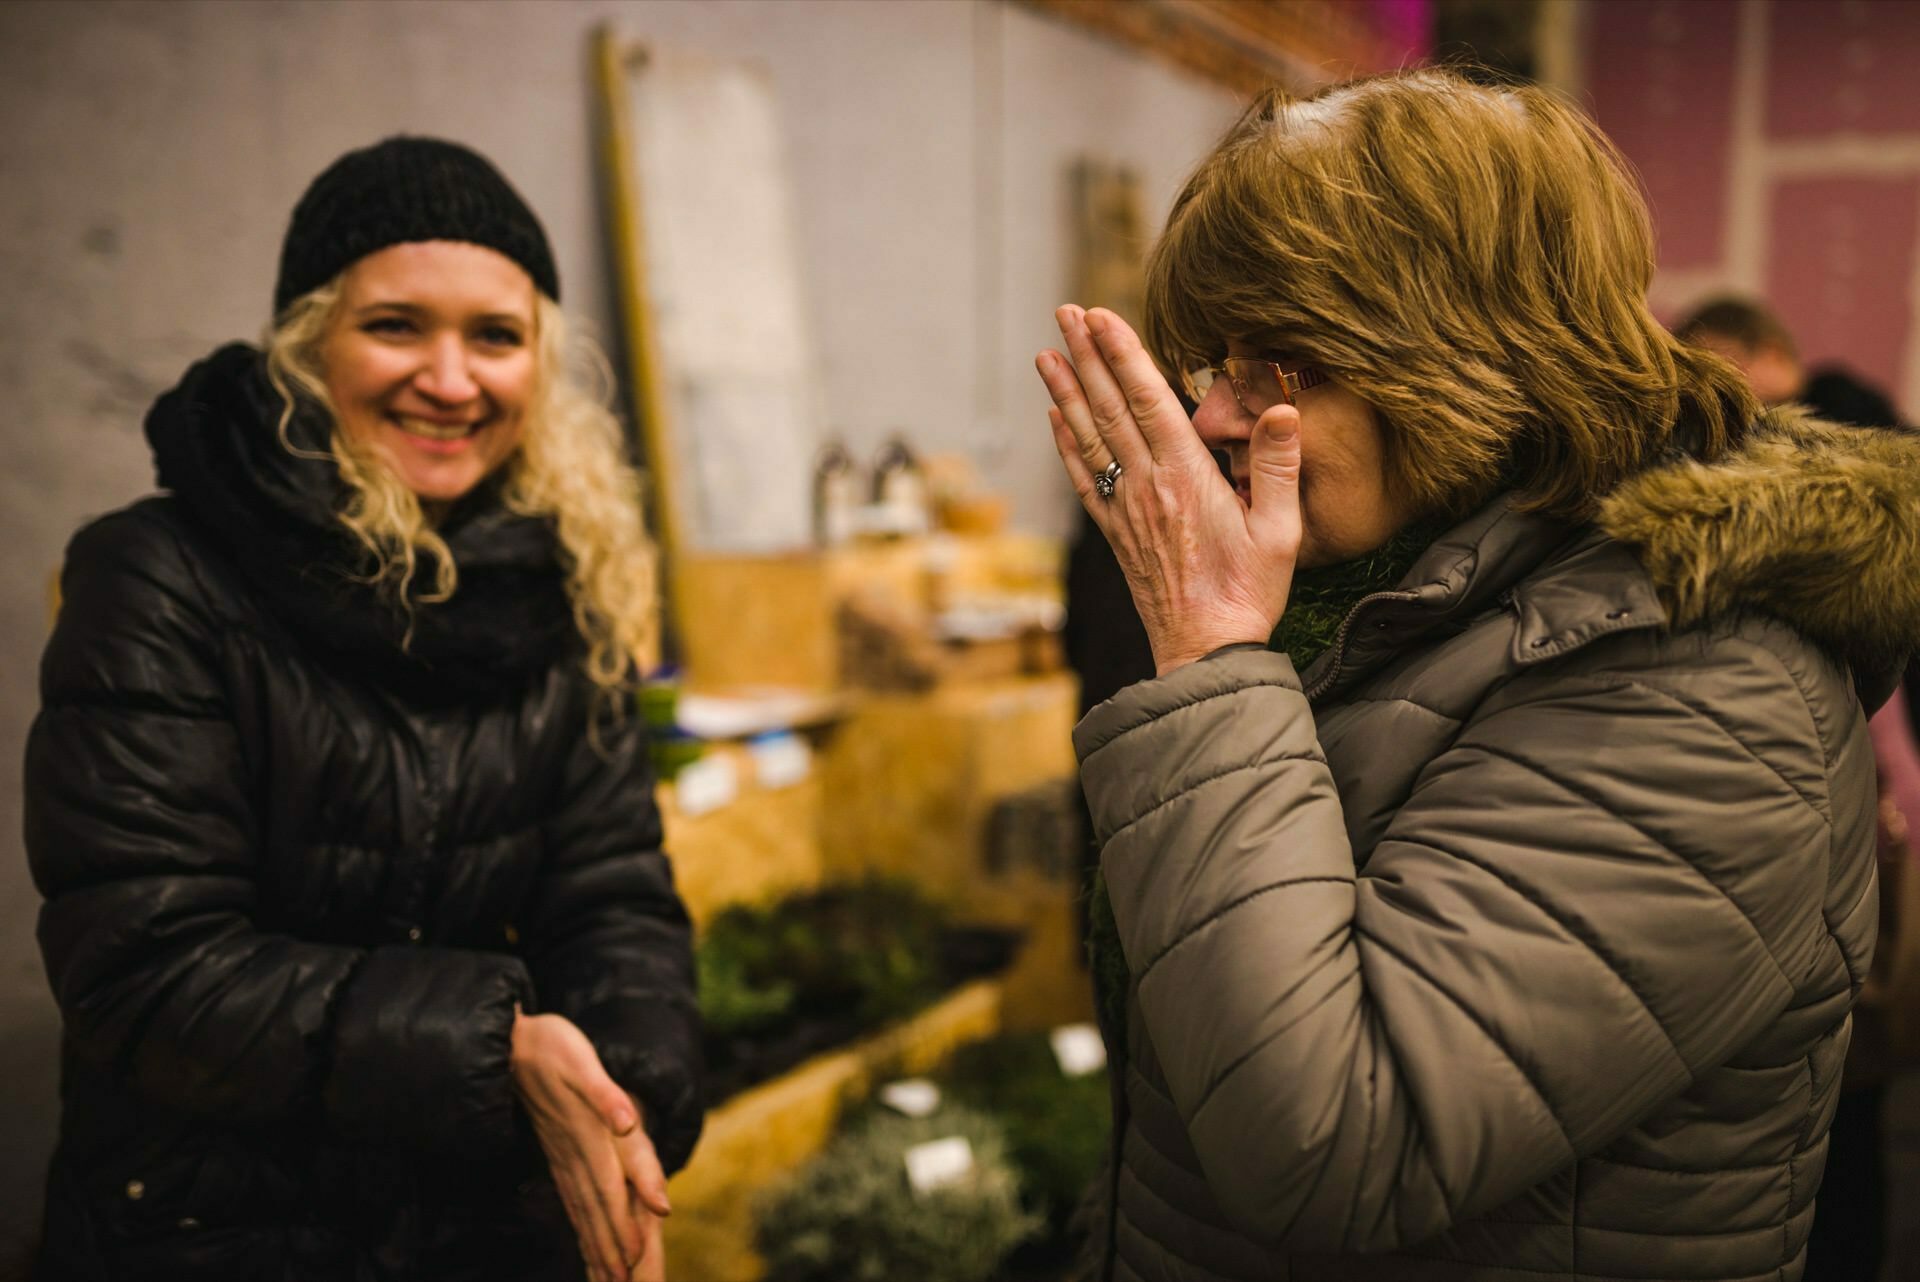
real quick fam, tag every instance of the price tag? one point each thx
(914, 1096)
(938, 1163)
(780, 760)
(706, 784)
(1078, 1049)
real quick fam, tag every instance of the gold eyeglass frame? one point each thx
(1292, 382)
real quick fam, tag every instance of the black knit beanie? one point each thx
(400, 190)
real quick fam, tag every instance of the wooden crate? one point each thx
(911, 779)
(903, 784)
(911, 782)
(756, 621)
(763, 844)
(773, 620)
(760, 1136)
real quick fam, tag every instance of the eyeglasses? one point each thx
(1258, 385)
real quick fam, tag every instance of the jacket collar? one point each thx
(272, 509)
(1595, 587)
(1491, 561)
(1805, 521)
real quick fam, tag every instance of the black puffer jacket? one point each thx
(297, 880)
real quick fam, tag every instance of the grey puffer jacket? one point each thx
(1519, 941)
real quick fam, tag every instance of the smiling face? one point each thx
(430, 362)
(1345, 507)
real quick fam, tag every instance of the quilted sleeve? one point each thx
(143, 837)
(1603, 888)
(609, 942)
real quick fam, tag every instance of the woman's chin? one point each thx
(438, 479)
(438, 471)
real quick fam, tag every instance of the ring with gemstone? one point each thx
(1104, 482)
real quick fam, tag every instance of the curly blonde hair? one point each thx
(1472, 261)
(571, 466)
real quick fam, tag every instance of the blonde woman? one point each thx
(369, 961)
(1489, 865)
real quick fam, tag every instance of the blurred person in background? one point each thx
(369, 961)
(1850, 1233)
(1489, 865)
(1754, 339)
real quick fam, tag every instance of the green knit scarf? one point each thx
(1317, 604)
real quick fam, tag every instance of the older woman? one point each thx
(1491, 857)
(369, 961)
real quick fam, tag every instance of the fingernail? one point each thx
(1096, 324)
(1280, 427)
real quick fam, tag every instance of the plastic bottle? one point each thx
(900, 487)
(835, 495)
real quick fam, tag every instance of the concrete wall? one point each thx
(151, 155)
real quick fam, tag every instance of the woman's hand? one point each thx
(1205, 570)
(604, 1165)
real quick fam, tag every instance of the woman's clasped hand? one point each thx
(1206, 569)
(603, 1164)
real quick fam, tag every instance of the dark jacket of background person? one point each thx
(297, 882)
(1105, 643)
(1747, 332)
(1837, 396)
(1849, 1234)
(1482, 852)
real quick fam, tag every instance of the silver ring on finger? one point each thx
(1104, 481)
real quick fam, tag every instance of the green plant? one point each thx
(731, 1001)
(851, 1216)
(867, 947)
(872, 944)
(1057, 1127)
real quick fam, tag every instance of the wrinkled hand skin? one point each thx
(1205, 570)
(592, 1132)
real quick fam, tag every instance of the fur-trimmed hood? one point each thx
(1807, 521)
